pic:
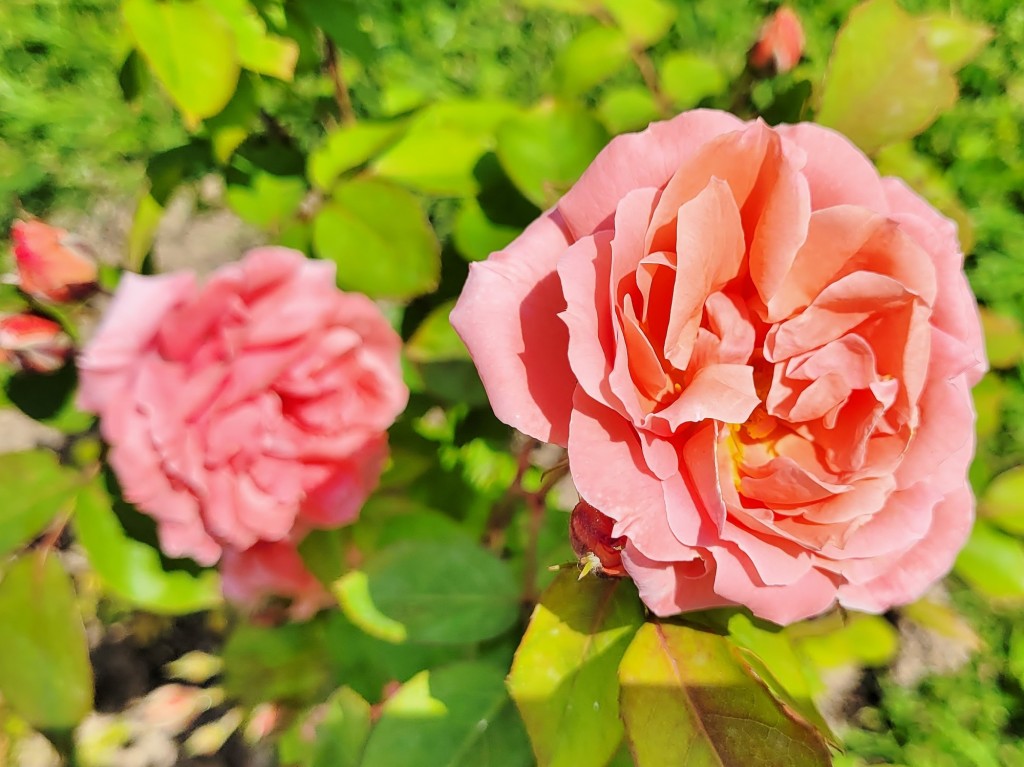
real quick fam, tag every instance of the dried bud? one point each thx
(210, 738)
(780, 44)
(173, 707)
(591, 535)
(52, 265)
(33, 343)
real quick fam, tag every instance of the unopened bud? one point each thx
(263, 720)
(596, 549)
(52, 264)
(780, 44)
(173, 707)
(33, 343)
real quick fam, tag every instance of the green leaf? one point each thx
(435, 339)
(145, 222)
(446, 592)
(190, 49)
(687, 699)
(628, 108)
(645, 22)
(344, 726)
(476, 236)
(953, 40)
(590, 58)
(687, 79)
(258, 51)
(564, 678)
(989, 395)
(546, 150)
(231, 126)
(45, 674)
(864, 640)
(49, 398)
(1003, 501)
(1004, 338)
(992, 563)
(131, 569)
(457, 716)
(436, 161)
(353, 593)
(379, 238)
(770, 654)
(347, 148)
(1016, 654)
(881, 99)
(287, 663)
(269, 202)
(581, 7)
(445, 141)
(943, 620)
(36, 489)
(339, 19)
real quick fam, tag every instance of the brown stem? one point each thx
(341, 95)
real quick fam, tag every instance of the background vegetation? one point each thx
(479, 113)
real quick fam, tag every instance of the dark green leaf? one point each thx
(449, 592)
(287, 663)
(35, 490)
(459, 715)
(45, 674)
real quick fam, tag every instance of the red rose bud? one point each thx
(780, 44)
(591, 535)
(52, 265)
(33, 343)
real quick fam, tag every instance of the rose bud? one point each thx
(33, 343)
(173, 707)
(52, 264)
(597, 550)
(780, 44)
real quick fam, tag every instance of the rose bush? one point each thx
(758, 354)
(246, 411)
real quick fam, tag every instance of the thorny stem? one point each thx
(536, 504)
(341, 95)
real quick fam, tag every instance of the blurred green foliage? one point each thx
(403, 138)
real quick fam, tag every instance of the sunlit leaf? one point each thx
(645, 22)
(628, 108)
(1003, 501)
(992, 562)
(347, 148)
(687, 79)
(191, 50)
(546, 150)
(564, 678)
(590, 58)
(684, 692)
(435, 339)
(45, 674)
(878, 99)
(131, 569)
(36, 489)
(258, 50)
(459, 715)
(1004, 338)
(862, 640)
(378, 236)
(476, 236)
(943, 620)
(268, 202)
(231, 126)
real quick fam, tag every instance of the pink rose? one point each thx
(247, 410)
(758, 353)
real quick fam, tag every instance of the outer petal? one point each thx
(636, 160)
(508, 318)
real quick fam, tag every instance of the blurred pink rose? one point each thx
(33, 343)
(758, 353)
(780, 44)
(246, 410)
(52, 264)
(272, 569)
